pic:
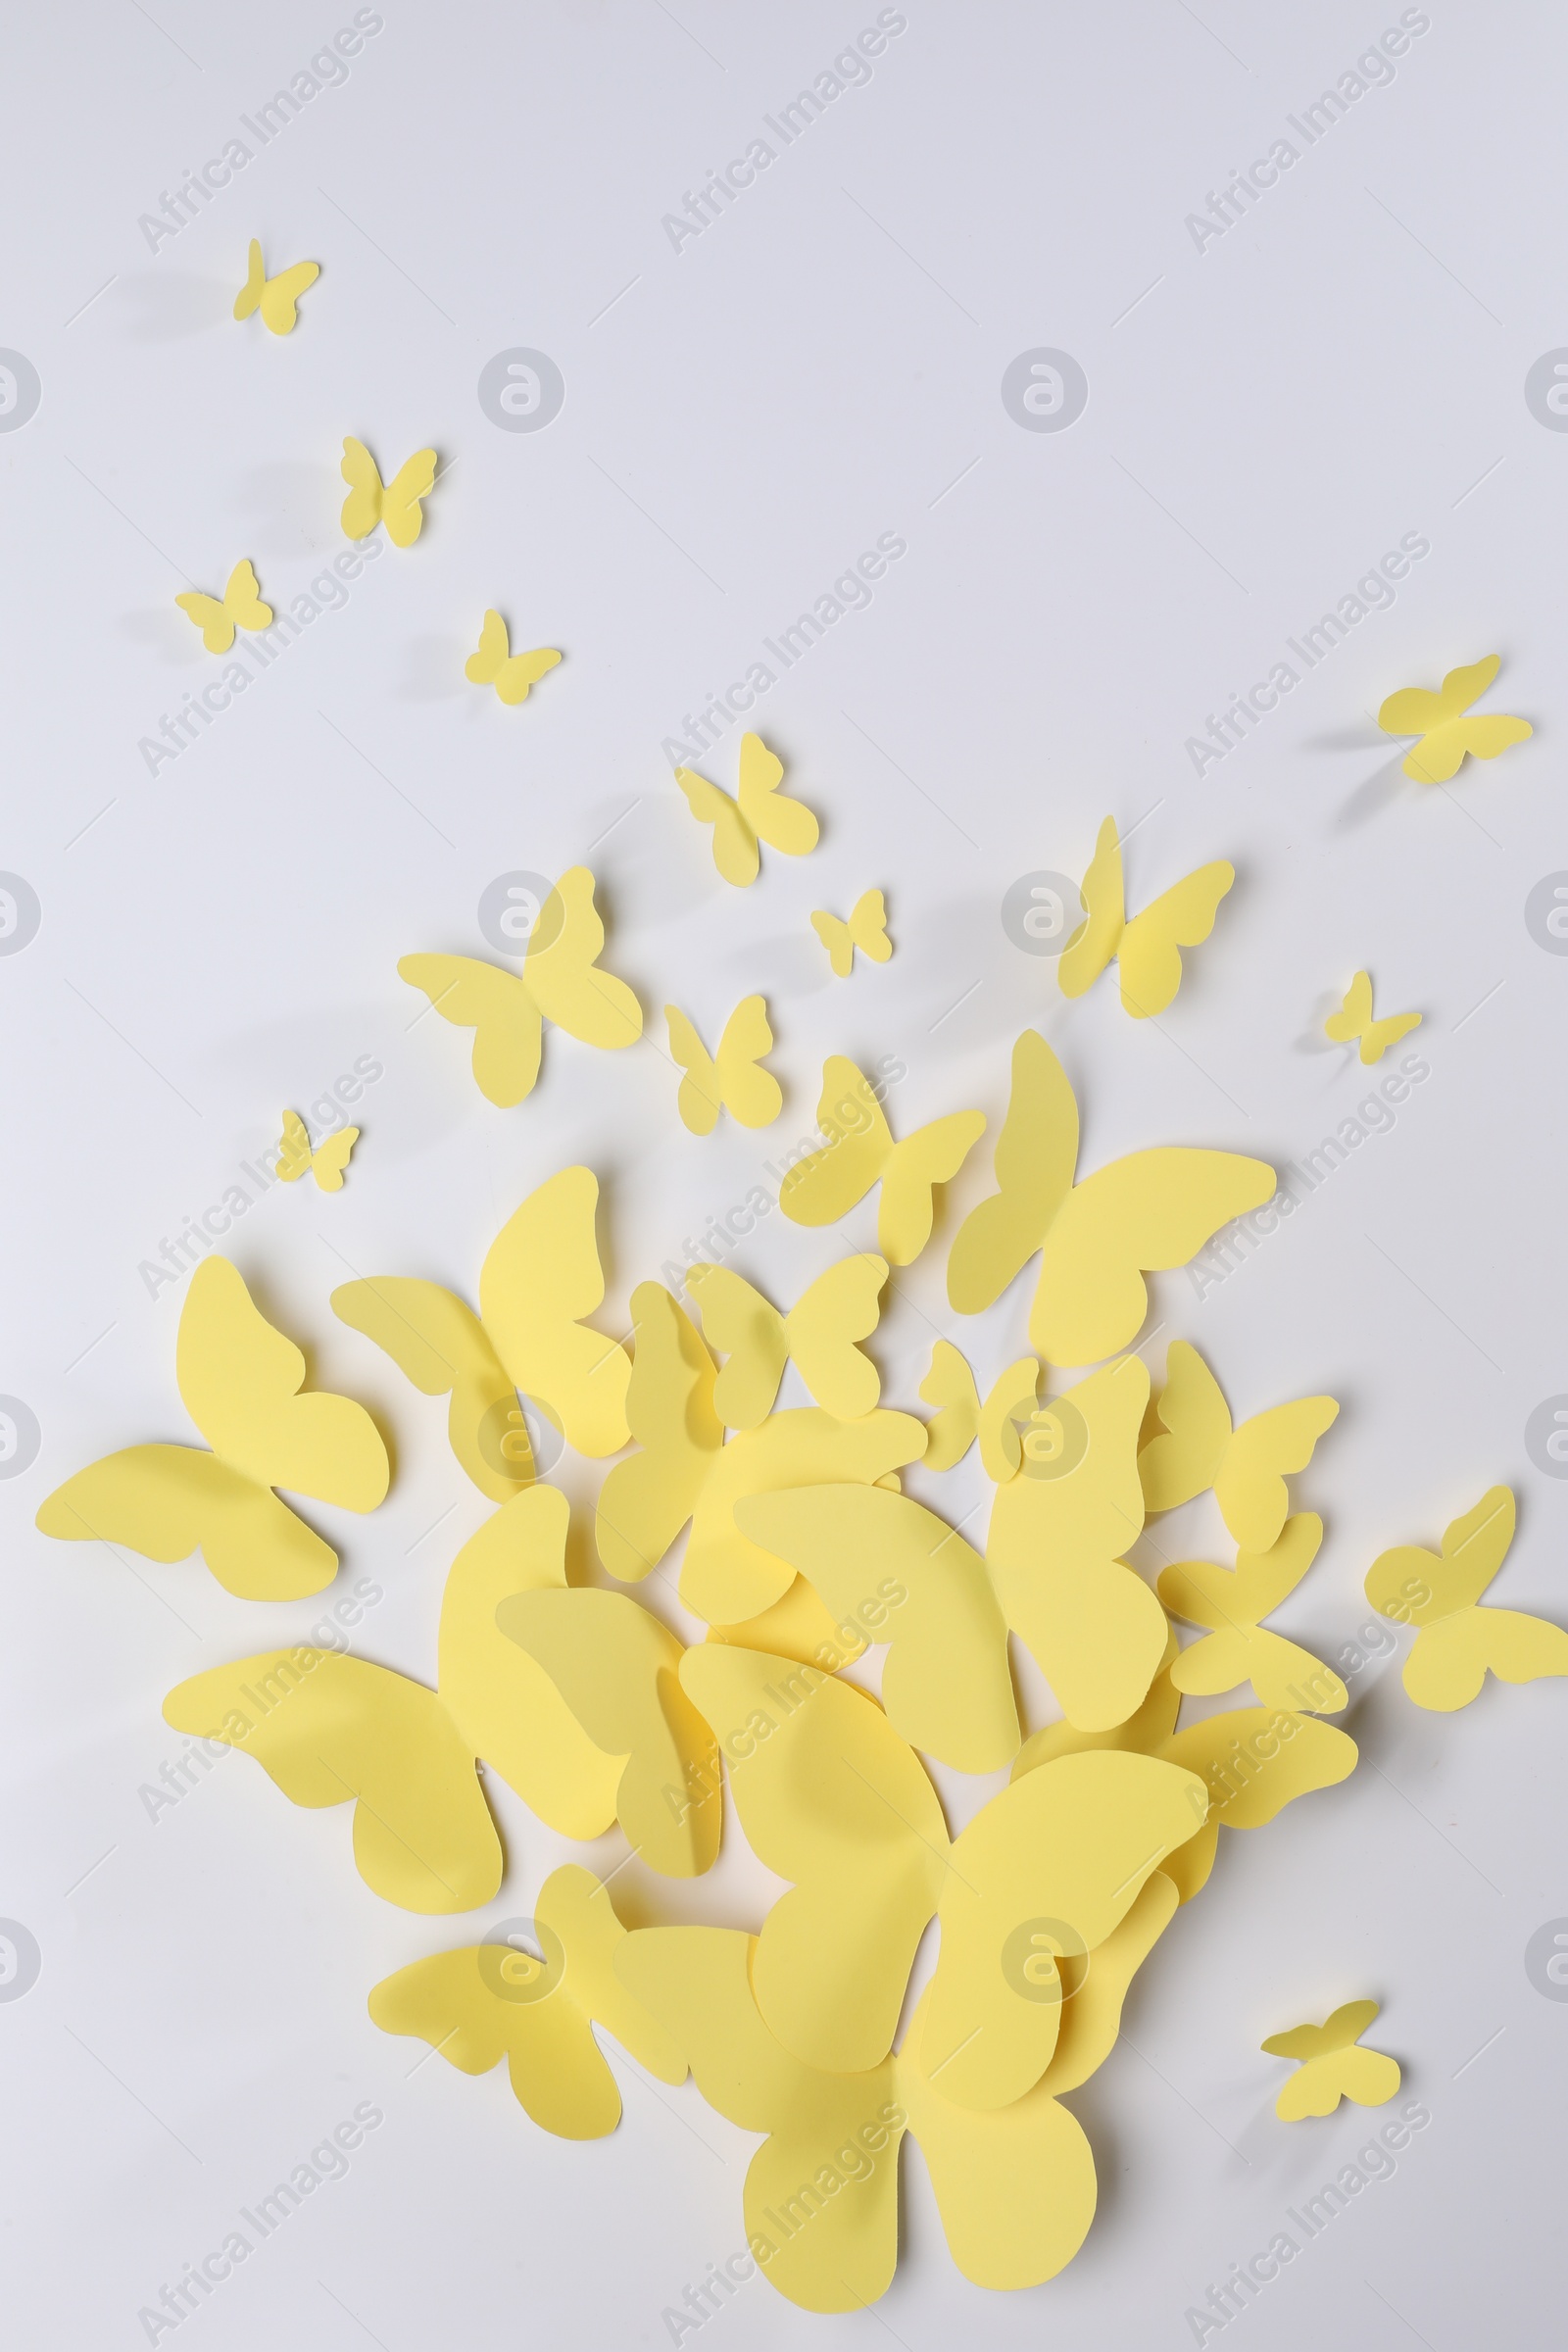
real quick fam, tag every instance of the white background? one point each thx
(1266, 417)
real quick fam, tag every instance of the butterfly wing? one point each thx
(735, 851)
(869, 925)
(327, 1728)
(1250, 1483)
(783, 823)
(440, 1345)
(250, 293)
(1091, 2014)
(1098, 937)
(500, 1010)
(1037, 1151)
(617, 1670)
(332, 1158)
(1449, 1660)
(749, 1094)
(1143, 1214)
(294, 1151)
(838, 939)
(949, 1386)
(524, 670)
(1255, 1760)
(1001, 1441)
(744, 1327)
(484, 664)
(700, 1100)
(1197, 1422)
(1379, 1035)
(540, 1278)
(167, 1501)
(1150, 954)
(280, 294)
(1486, 735)
(913, 1169)
(825, 1185)
(242, 598)
(644, 1502)
(1415, 1587)
(401, 509)
(210, 617)
(561, 971)
(840, 1306)
(881, 1561)
(1354, 1013)
(362, 509)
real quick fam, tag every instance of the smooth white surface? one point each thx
(820, 367)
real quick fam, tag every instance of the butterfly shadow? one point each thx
(168, 306)
(164, 629)
(1374, 794)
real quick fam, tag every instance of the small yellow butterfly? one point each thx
(395, 503)
(1332, 2067)
(1354, 1020)
(1231, 1603)
(861, 1152)
(274, 297)
(1440, 720)
(820, 1330)
(326, 1162)
(1198, 1447)
(866, 929)
(495, 664)
(762, 814)
(731, 1079)
(241, 604)
(960, 1417)
(1148, 948)
(1457, 1639)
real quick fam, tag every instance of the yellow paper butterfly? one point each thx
(1456, 1640)
(1231, 1602)
(240, 1381)
(241, 608)
(861, 1152)
(1246, 1466)
(1096, 1238)
(820, 1330)
(1440, 720)
(763, 813)
(395, 503)
(732, 1079)
(960, 1417)
(541, 1278)
(495, 664)
(1148, 949)
(326, 1162)
(274, 297)
(1354, 1020)
(1333, 2067)
(490, 2001)
(329, 1728)
(866, 929)
(560, 981)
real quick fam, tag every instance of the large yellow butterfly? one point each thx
(1148, 949)
(866, 929)
(763, 813)
(732, 1079)
(1354, 1020)
(495, 664)
(328, 1728)
(1333, 2067)
(1146, 1212)
(241, 608)
(1446, 733)
(395, 503)
(488, 2001)
(560, 981)
(820, 1330)
(861, 1152)
(239, 1379)
(540, 1279)
(1456, 1640)
(274, 297)
(1201, 1448)
(326, 1163)
(1232, 1603)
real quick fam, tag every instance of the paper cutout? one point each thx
(1246, 1466)
(1146, 950)
(239, 1379)
(274, 297)
(496, 664)
(1232, 1603)
(762, 814)
(949, 1386)
(1090, 2011)
(820, 1330)
(865, 929)
(732, 1079)
(1015, 2189)
(241, 608)
(798, 1627)
(487, 2001)
(326, 1163)
(1333, 2065)
(645, 1501)
(395, 503)
(1440, 720)
(541, 1279)
(1456, 1640)
(1147, 1212)
(861, 1152)
(616, 1666)
(560, 981)
(1354, 1020)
